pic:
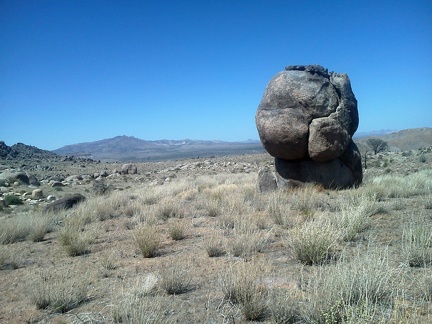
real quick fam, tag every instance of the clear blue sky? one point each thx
(76, 71)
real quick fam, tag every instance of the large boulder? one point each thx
(306, 120)
(306, 106)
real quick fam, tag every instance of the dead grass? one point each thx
(307, 255)
(242, 284)
(176, 277)
(58, 292)
(314, 242)
(352, 290)
(148, 240)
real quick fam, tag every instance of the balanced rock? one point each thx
(306, 120)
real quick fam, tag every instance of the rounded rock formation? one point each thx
(306, 120)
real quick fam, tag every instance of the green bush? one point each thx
(12, 200)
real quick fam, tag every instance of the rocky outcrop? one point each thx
(306, 120)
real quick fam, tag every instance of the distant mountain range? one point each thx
(129, 148)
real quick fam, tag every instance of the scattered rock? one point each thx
(64, 203)
(129, 168)
(74, 177)
(57, 184)
(37, 194)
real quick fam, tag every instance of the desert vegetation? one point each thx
(206, 247)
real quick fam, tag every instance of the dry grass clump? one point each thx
(353, 216)
(58, 292)
(284, 307)
(129, 307)
(8, 260)
(75, 238)
(352, 291)
(394, 186)
(169, 208)
(148, 240)
(176, 278)
(307, 201)
(177, 231)
(27, 225)
(242, 285)
(279, 209)
(314, 242)
(417, 242)
(214, 246)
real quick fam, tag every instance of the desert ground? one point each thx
(193, 241)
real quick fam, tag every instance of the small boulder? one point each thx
(129, 168)
(33, 181)
(74, 177)
(57, 184)
(266, 180)
(37, 194)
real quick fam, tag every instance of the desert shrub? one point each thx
(424, 286)
(106, 265)
(245, 245)
(427, 202)
(351, 291)
(148, 240)
(353, 216)
(15, 229)
(40, 225)
(214, 246)
(213, 207)
(58, 292)
(284, 307)
(12, 200)
(8, 260)
(226, 221)
(394, 186)
(242, 284)
(313, 242)
(169, 208)
(177, 231)
(76, 240)
(306, 201)
(279, 209)
(176, 278)
(417, 243)
(129, 307)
